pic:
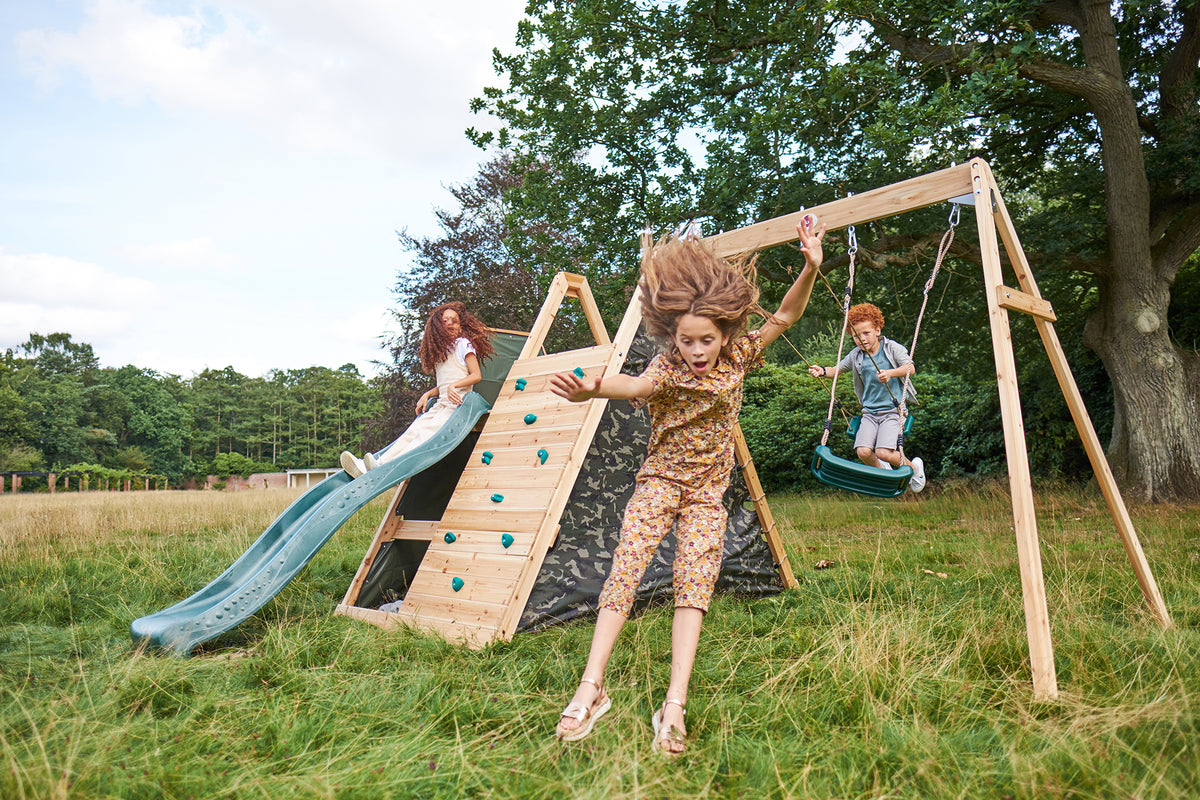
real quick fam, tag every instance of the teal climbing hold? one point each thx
(487, 457)
(530, 419)
(496, 498)
(578, 371)
(543, 455)
(520, 384)
(449, 537)
(456, 584)
(506, 540)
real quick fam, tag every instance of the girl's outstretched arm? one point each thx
(796, 299)
(615, 387)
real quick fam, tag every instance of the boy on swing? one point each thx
(879, 366)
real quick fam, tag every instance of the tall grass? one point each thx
(901, 671)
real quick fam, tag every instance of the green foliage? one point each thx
(59, 407)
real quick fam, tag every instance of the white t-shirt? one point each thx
(462, 346)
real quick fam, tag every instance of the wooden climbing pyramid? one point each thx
(485, 553)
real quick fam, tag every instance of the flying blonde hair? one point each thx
(684, 276)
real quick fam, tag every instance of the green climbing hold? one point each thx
(530, 419)
(506, 540)
(487, 457)
(578, 371)
(449, 537)
(520, 384)
(456, 584)
(496, 498)
(543, 455)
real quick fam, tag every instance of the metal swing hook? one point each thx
(955, 214)
(852, 240)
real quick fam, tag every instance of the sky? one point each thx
(192, 185)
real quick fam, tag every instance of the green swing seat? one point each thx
(854, 476)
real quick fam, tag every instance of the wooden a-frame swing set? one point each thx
(972, 183)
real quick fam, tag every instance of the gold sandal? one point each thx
(668, 734)
(587, 715)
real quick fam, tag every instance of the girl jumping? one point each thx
(699, 304)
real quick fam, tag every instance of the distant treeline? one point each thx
(59, 408)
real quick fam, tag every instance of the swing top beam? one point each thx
(898, 198)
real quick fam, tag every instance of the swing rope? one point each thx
(852, 241)
(943, 249)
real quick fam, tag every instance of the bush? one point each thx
(957, 428)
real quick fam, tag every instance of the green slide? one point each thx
(291, 541)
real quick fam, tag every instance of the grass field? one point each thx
(899, 672)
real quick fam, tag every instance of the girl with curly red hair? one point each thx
(454, 344)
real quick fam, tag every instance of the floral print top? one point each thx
(692, 418)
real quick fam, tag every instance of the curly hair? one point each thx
(683, 276)
(437, 343)
(864, 312)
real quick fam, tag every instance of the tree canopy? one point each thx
(731, 112)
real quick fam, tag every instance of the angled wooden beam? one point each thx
(1083, 422)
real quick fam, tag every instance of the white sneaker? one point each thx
(354, 466)
(370, 462)
(917, 482)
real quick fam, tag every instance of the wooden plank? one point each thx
(556, 417)
(1033, 588)
(451, 609)
(1083, 422)
(1016, 300)
(523, 456)
(543, 366)
(539, 403)
(887, 201)
(495, 440)
(535, 476)
(520, 520)
(430, 583)
(766, 519)
(475, 499)
(485, 542)
(413, 529)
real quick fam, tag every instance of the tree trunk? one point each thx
(1153, 450)
(1156, 389)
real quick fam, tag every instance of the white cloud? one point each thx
(359, 75)
(47, 294)
(55, 282)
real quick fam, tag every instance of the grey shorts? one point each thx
(878, 430)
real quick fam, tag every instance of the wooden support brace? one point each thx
(1016, 300)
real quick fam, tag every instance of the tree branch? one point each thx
(1180, 240)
